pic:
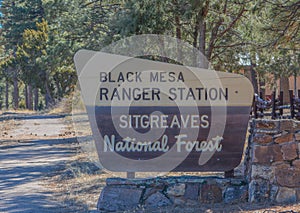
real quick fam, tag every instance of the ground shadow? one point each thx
(23, 167)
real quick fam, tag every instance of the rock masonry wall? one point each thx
(272, 174)
(274, 165)
(123, 194)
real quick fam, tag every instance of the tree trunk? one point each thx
(262, 88)
(46, 101)
(6, 94)
(48, 97)
(178, 36)
(16, 90)
(254, 78)
(195, 33)
(285, 86)
(36, 99)
(58, 87)
(202, 31)
(201, 58)
(29, 97)
(295, 85)
(26, 96)
(195, 41)
(1, 98)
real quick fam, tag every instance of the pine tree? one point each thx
(16, 17)
(30, 57)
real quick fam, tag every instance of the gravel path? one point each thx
(31, 150)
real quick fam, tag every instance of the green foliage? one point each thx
(32, 53)
(141, 17)
(38, 38)
(275, 37)
(285, 23)
(18, 15)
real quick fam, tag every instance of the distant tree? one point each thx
(285, 22)
(30, 55)
(263, 35)
(41, 54)
(210, 26)
(275, 36)
(17, 15)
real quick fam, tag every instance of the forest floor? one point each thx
(48, 164)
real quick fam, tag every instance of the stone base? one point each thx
(274, 161)
(126, 195)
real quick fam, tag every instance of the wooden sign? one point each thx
(152, 116)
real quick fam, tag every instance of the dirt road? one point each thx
(31, 148)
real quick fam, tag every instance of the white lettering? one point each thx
(130, 145)
(123, 123)
(212, 145)
(163, 121)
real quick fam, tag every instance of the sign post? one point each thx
(151, 116)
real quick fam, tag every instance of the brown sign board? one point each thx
(153, 116)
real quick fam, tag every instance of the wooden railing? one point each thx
(274, 107)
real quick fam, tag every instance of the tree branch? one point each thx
(233, 45)
(233, 22)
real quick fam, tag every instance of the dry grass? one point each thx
(19, 111)
(79, 184)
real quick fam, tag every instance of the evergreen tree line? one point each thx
(38, 39)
